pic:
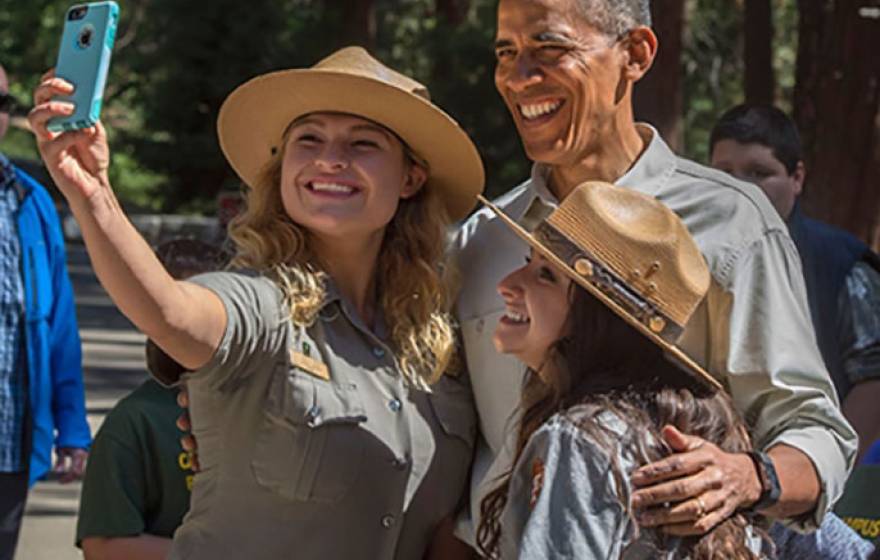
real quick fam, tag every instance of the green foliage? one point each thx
(785, 22)
(714, 67)
(457, 63)
(29, 45)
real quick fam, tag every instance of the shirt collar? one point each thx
(655, 165)
(539, 179)
(650, 172)
(537, 193)
(7, 173)
(9, 180)
(796, 224)
(334, 303)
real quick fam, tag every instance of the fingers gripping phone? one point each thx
(84, 59)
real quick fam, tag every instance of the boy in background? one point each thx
(137, 483)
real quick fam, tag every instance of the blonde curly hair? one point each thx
(415, 278)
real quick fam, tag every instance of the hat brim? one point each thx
(254, 117)
(673, 352)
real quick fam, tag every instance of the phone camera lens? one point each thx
(85, 38)
(77, 13)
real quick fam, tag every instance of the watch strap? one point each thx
(771, 490)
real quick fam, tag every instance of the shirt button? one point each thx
(400, 463)
(378, 352)
(481, 324)
(388, 521)
(395, 405)
(313, 412)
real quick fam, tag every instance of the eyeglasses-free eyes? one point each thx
(7, 103)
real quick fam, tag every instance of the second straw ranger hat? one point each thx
(254, 117)
(633, 254)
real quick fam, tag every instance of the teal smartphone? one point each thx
(84, 59)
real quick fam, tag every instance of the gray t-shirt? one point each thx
(564, 500)
(311, 443)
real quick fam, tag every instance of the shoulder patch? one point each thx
(537, 482)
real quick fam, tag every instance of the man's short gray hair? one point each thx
(616, 17)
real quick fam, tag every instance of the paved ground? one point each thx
(113, 360)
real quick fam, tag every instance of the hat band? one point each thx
(589, 268)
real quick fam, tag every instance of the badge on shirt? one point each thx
(309, 365)
(537, 482)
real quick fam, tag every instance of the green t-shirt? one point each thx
(138, 478)
(859, 506)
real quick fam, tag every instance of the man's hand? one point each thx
(696, 488)
(70, 464)
(187, 441)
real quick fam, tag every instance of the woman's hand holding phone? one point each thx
(77, 160)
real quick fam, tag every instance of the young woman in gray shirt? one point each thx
(595, 313)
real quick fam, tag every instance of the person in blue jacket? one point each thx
(42, 402)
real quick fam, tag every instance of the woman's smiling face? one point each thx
(344, 175)
(537, 300)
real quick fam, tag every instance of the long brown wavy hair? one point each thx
(415, 279)
(604, 365)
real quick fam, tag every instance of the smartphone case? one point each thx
(84, 60)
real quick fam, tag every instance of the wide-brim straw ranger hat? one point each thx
(256, 114)
(633, 254)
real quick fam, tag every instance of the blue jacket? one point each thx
(54, 355)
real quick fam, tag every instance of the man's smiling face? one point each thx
(559, 76)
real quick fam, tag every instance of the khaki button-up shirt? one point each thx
(311, 444)
(753, 331)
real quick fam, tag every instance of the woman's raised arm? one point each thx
(185, 320)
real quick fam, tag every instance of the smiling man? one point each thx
(566, 70)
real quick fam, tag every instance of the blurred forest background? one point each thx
(176, 60)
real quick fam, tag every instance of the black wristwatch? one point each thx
(770, 488)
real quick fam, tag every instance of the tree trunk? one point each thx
(453, 11)
(451, 14)
(658, 97)
(837, 107)
(760, 80)
(359, 21)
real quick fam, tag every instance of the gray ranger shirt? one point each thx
(566, 501)
(311, 444)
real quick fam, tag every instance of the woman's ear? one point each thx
(416, 177)
(641, 48)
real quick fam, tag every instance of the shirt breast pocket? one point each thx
(310, 443)
(453, 406)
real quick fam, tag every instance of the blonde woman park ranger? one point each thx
(328, 425)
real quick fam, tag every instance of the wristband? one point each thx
(771, 490)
